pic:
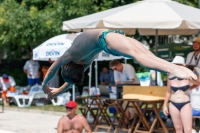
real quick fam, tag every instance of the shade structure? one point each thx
(168, 17)
(169, 51)
(103, 56)
(54, 47)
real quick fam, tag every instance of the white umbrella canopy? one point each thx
(54, 47)
(168, 17)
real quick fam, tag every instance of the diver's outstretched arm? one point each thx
(63, 60)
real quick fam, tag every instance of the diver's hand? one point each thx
(52, 93)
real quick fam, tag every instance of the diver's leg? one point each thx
(120, 44)
(149, 53)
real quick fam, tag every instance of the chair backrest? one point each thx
(35, 89)
(19, 89)
(144, 92)
(39, 95)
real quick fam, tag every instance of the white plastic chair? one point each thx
(34, 93)
(62, 99)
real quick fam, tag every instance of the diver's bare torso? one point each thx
(85, 47)
(74, 125)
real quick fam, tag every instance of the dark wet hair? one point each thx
(74, 72)
(191, 67)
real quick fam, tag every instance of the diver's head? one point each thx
(73, 73)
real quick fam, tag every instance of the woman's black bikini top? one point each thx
(183, 88)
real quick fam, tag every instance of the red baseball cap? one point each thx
(71, 104)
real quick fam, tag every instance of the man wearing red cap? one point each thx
(73, 122)
(7, 83)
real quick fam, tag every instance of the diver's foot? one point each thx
(181, 73)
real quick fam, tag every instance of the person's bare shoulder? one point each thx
(81, 117)
(63, 118)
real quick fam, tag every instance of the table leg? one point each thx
(141, 115)
(157, 113)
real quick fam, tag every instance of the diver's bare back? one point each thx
(72, 126)
(85, 46)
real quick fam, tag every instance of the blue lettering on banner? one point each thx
(52, 53)
(104, 54)
(55, 43)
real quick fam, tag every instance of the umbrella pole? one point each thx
(73, 91)
(156, 52)
(96, 74)
(90, 76)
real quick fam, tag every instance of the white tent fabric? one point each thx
(54, 47)
(169, 17)
(105, 56)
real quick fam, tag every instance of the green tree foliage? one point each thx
(24, 24)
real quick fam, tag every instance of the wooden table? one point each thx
(95, 105)
(143, 98)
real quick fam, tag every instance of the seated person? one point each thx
(125, 72)
(107, 77)
(7, 84)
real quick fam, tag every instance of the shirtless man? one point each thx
(90, 43)
(72, 123)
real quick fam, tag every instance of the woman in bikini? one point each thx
(90, 43)
(179, 108)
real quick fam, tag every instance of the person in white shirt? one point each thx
(122, 73)
(31, 68)
(193, 58)
(195, 96)
(194, 99)
(7, 83)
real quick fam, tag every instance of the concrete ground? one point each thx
(20, 120)
(29, 121)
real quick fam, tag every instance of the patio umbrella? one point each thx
(149, 17)
(168, 17)
(54, 47)
(169, 51)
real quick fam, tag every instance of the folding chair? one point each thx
(128, 127)
(34, 93)
(62, 99)
(90, 106)
(103, 119)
